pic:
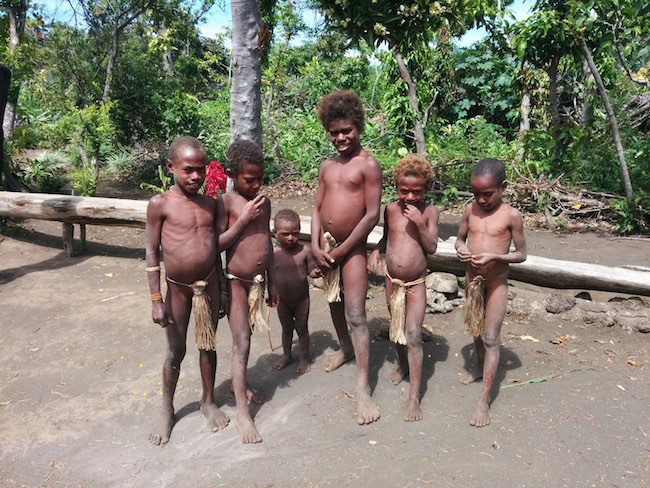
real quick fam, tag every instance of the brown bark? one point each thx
(414, 104)
(613, 122)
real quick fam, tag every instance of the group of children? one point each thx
(192, 229)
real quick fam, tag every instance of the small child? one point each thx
(346, 209)
(410, 234)
(293, 262)
(243, 224)
(489, 225)
(183, 223)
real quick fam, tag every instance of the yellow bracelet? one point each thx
(155, 297)
(151, 269)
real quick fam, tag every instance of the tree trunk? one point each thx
(5, 79)
(587, 109)
(554, 104)
(269, 126)
(524, 120)
(414, 104)
(110, 66)
(245, 89)
(17, 13)
(95, 162)
(620, 153)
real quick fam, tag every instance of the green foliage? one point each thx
(83, 181)
(165, 182)
(46, 173)
(633, 216)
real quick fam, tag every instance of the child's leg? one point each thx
(208, 363)
(346, 353)
(496, 300)
(285, 314)
(416, 304)
(241, 334)
(178, 302)
(302, 318)
(355, 283)
(476, 373)
(402, 369)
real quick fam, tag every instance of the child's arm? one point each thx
(427, 225)
(228, 236)
(312, 266)
(153, 230)
(374, 259)
(273, 299)
(372, 192)
(461, 246)
(323, 259)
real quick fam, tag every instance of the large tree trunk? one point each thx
(414, 104)
(524, 120)
(17, 13)
(5, 79)
(554, 103)
(620, 153)
(245, 89)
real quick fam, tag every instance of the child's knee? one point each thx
(175, 354)
(413, 339)
(491, 339)
(241, 341)
(301, 330)
(355, 317)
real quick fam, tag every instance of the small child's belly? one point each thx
(404, 263)
(249, 257)
(339, 216)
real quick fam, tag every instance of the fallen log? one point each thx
(537, 270)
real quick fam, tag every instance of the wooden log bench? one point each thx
(553, 273)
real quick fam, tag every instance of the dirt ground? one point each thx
(80, 367)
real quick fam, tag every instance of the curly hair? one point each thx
(491, 167)
(243, 151)
(414, 165)
(342, 105)
(183, 142)
(286, 215)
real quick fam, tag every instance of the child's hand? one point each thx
(323, 259)
(316, 273)
(482, 259)
(412, 213)
(159, 314)
(273, 299)
(463, 254)
(374, 263)
(252, 209)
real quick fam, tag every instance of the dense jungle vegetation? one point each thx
(562, 96)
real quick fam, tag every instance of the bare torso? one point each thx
(405, 257)
(291, 274)
(188, 236)
(489, 233)
(343, 204)
(251, 252)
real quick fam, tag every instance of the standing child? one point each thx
(347, 208)
(489, 225)
(293, 262)
(183, 223)
(410, 234)
(243, 224)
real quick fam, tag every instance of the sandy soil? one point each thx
(80, 388)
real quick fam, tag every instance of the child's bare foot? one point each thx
(413, 410)
(217, 420)
(397, 376)
(162, 429)
(336, 360)
(367, 409)
(282, 362)
(303, 365)
(247, 431)
(481, 416)
(471, 377)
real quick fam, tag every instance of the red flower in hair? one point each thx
(215, 179)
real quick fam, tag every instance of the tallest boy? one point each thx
(347, 206)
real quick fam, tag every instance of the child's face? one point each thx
(248, 179)
(188, 169)
(344, 135)
(287, 234)
(411, 189)
(487, 192)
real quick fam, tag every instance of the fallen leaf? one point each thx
(542, 351)
(372, 443)
(34, 349)
(633, 361)
(110, 275)
(528, 338)
(621, 387)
